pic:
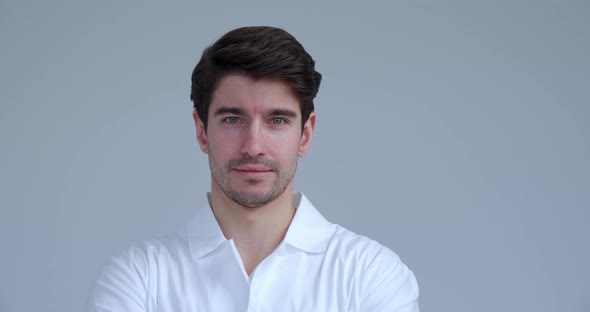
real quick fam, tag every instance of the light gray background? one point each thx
(456, 133)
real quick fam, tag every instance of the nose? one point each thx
(253, 140)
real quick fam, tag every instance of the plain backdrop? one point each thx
(456, 133)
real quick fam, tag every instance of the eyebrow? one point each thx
(239, 111)
(228, 111)
(283, 112)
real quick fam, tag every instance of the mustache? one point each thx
(253, 160)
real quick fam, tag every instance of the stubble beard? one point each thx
(221, 175)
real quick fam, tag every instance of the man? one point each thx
(253, 244)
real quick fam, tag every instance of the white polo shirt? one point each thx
(319, 266)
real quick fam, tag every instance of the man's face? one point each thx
(253, 138)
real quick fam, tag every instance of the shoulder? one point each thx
(361, 249)
(383, 281)
(153, 251)
(127, 279)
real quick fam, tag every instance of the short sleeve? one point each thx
(389, 284)
(122, 284)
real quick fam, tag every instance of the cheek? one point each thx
(222, 149)
(286, 149)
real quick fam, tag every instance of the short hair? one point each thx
(257, 52)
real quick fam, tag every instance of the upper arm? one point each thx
(389, 285)
(122, 284)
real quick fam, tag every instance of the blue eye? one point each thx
(278, 121)
(232, 120)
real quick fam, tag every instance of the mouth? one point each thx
(252, 168)
(252, 171)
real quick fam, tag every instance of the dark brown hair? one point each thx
(257, 52)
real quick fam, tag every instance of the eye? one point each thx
(231, 120)
(278, 121)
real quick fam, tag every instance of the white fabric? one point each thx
(319, 266)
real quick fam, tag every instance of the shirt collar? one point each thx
(308, 231)
(204, 233)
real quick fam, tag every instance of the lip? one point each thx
(252, 168)
(252, 171)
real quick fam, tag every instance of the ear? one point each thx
(201, 133)
(307, 135)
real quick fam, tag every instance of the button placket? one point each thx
(257, 283)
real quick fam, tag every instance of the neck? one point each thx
(255, 231)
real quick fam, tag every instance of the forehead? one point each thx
(253, 95)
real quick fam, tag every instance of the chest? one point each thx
(295, 282)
